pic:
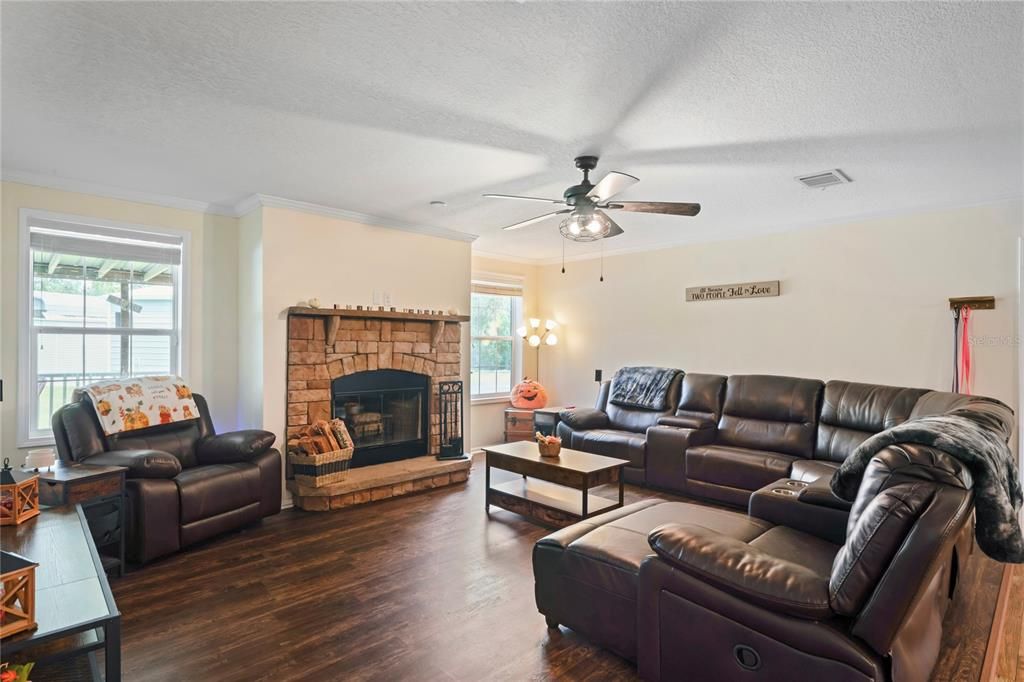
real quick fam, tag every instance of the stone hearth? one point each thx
(324, 344)
(380, 482)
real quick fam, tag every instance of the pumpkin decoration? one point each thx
(529, 395)
(134, 418)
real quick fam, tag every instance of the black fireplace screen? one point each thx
(451, 419)
(386, 412)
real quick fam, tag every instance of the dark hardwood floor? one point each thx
(425, 587)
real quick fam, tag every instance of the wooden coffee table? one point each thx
(554, 491)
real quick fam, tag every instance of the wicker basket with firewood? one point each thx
(320, 453)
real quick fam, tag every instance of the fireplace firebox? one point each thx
(386, 412)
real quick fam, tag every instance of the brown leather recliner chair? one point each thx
(184, 483)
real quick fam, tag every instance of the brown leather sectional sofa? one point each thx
(801, 585)
(184, 483)
(726, 437)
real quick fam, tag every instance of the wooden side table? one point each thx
(100, 491)
(518, 424)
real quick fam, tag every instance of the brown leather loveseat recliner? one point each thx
(184, 482)
(616, 431)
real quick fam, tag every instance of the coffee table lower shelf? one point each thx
(549, 503)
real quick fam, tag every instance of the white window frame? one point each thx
(26, 332)
(514, 285)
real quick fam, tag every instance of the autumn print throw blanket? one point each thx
(132, 403)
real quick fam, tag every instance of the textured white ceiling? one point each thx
(381, 107)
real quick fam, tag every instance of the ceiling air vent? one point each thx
(824, 179)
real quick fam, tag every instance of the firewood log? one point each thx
(341, 433)
(322, 428)
(321, 444)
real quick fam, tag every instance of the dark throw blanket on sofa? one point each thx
(643, 387)
(975, 439)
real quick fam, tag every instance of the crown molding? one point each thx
(246, 205)
(508, 258)
(254, 201)
(777, 229)
(268, 201)
(111, 192)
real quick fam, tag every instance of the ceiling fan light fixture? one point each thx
(584, 227)
(586, 204)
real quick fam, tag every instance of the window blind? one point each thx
(498, 286)
(92, 241)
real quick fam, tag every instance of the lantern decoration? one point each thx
(529, 395)
(17, 594)
(449, 394)
(19, 500)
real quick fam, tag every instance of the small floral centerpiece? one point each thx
(549, 446)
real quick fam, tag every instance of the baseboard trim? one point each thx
(997, 632)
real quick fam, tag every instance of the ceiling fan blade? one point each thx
(665, 207)
(613, 227)
(513, 196)
(610, 185)
(539, 218)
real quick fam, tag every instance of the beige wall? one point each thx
(249, 335)
(342, 262)
(488, 416)
(212, 285)
(864, 301)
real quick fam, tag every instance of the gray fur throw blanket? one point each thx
(643, 387)
(974, 438)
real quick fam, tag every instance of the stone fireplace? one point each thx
(378, 371)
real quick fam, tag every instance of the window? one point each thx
(100, 302)
(496, 351)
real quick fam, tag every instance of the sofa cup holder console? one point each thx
(798, 504)
(785, 492)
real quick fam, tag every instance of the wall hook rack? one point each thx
(973, 302)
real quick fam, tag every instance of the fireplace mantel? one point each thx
(375, 314)
(332, 319)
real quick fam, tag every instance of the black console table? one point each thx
(75, 609)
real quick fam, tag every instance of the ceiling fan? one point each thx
(587, 203)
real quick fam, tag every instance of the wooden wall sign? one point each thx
(721, 292)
